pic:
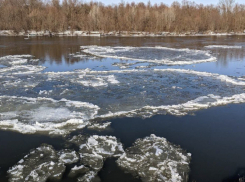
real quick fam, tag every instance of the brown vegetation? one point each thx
(19, 15)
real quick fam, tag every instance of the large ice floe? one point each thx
(155, 159)
(95, 149)
(42, 164)
(145, 92)
(60, 102)
(160, 55)
(39, 165)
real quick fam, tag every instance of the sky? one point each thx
(168, 2)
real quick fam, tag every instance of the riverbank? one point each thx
(115, 33)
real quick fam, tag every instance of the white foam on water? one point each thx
(155, 159)
(223, 47)
(182, 57)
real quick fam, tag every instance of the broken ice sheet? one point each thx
(38, 166)
(93, 152)
(42, 164)
(155, 159)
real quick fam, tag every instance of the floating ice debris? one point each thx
(104, 146)
(18, 65)
(94, 150)
(31, 115)
(39, 165)
(99, 126)
(160, 55)
(224, 47)
(81, 77)
(67, 156)
(123, 65)
(21, 69)
(155, 159)
(14, 59)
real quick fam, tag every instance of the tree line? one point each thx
(56, 16)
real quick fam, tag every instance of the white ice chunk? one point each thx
(155, 159)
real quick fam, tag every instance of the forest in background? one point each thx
(56, 16)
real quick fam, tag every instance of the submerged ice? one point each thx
(155, 159)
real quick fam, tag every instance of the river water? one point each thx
(122, 108)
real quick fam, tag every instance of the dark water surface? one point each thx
(214, 136)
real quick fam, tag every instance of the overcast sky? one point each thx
(111, 2)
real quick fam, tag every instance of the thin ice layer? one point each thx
(38, 166)
(155, 159)
(161, 55)
(30, 115)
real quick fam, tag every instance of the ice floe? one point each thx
(155, 159)
(75, 99)
(31, 115)
(93, 152)
(38, 166)
(12, 60)
(160, 55)
(152, 158)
